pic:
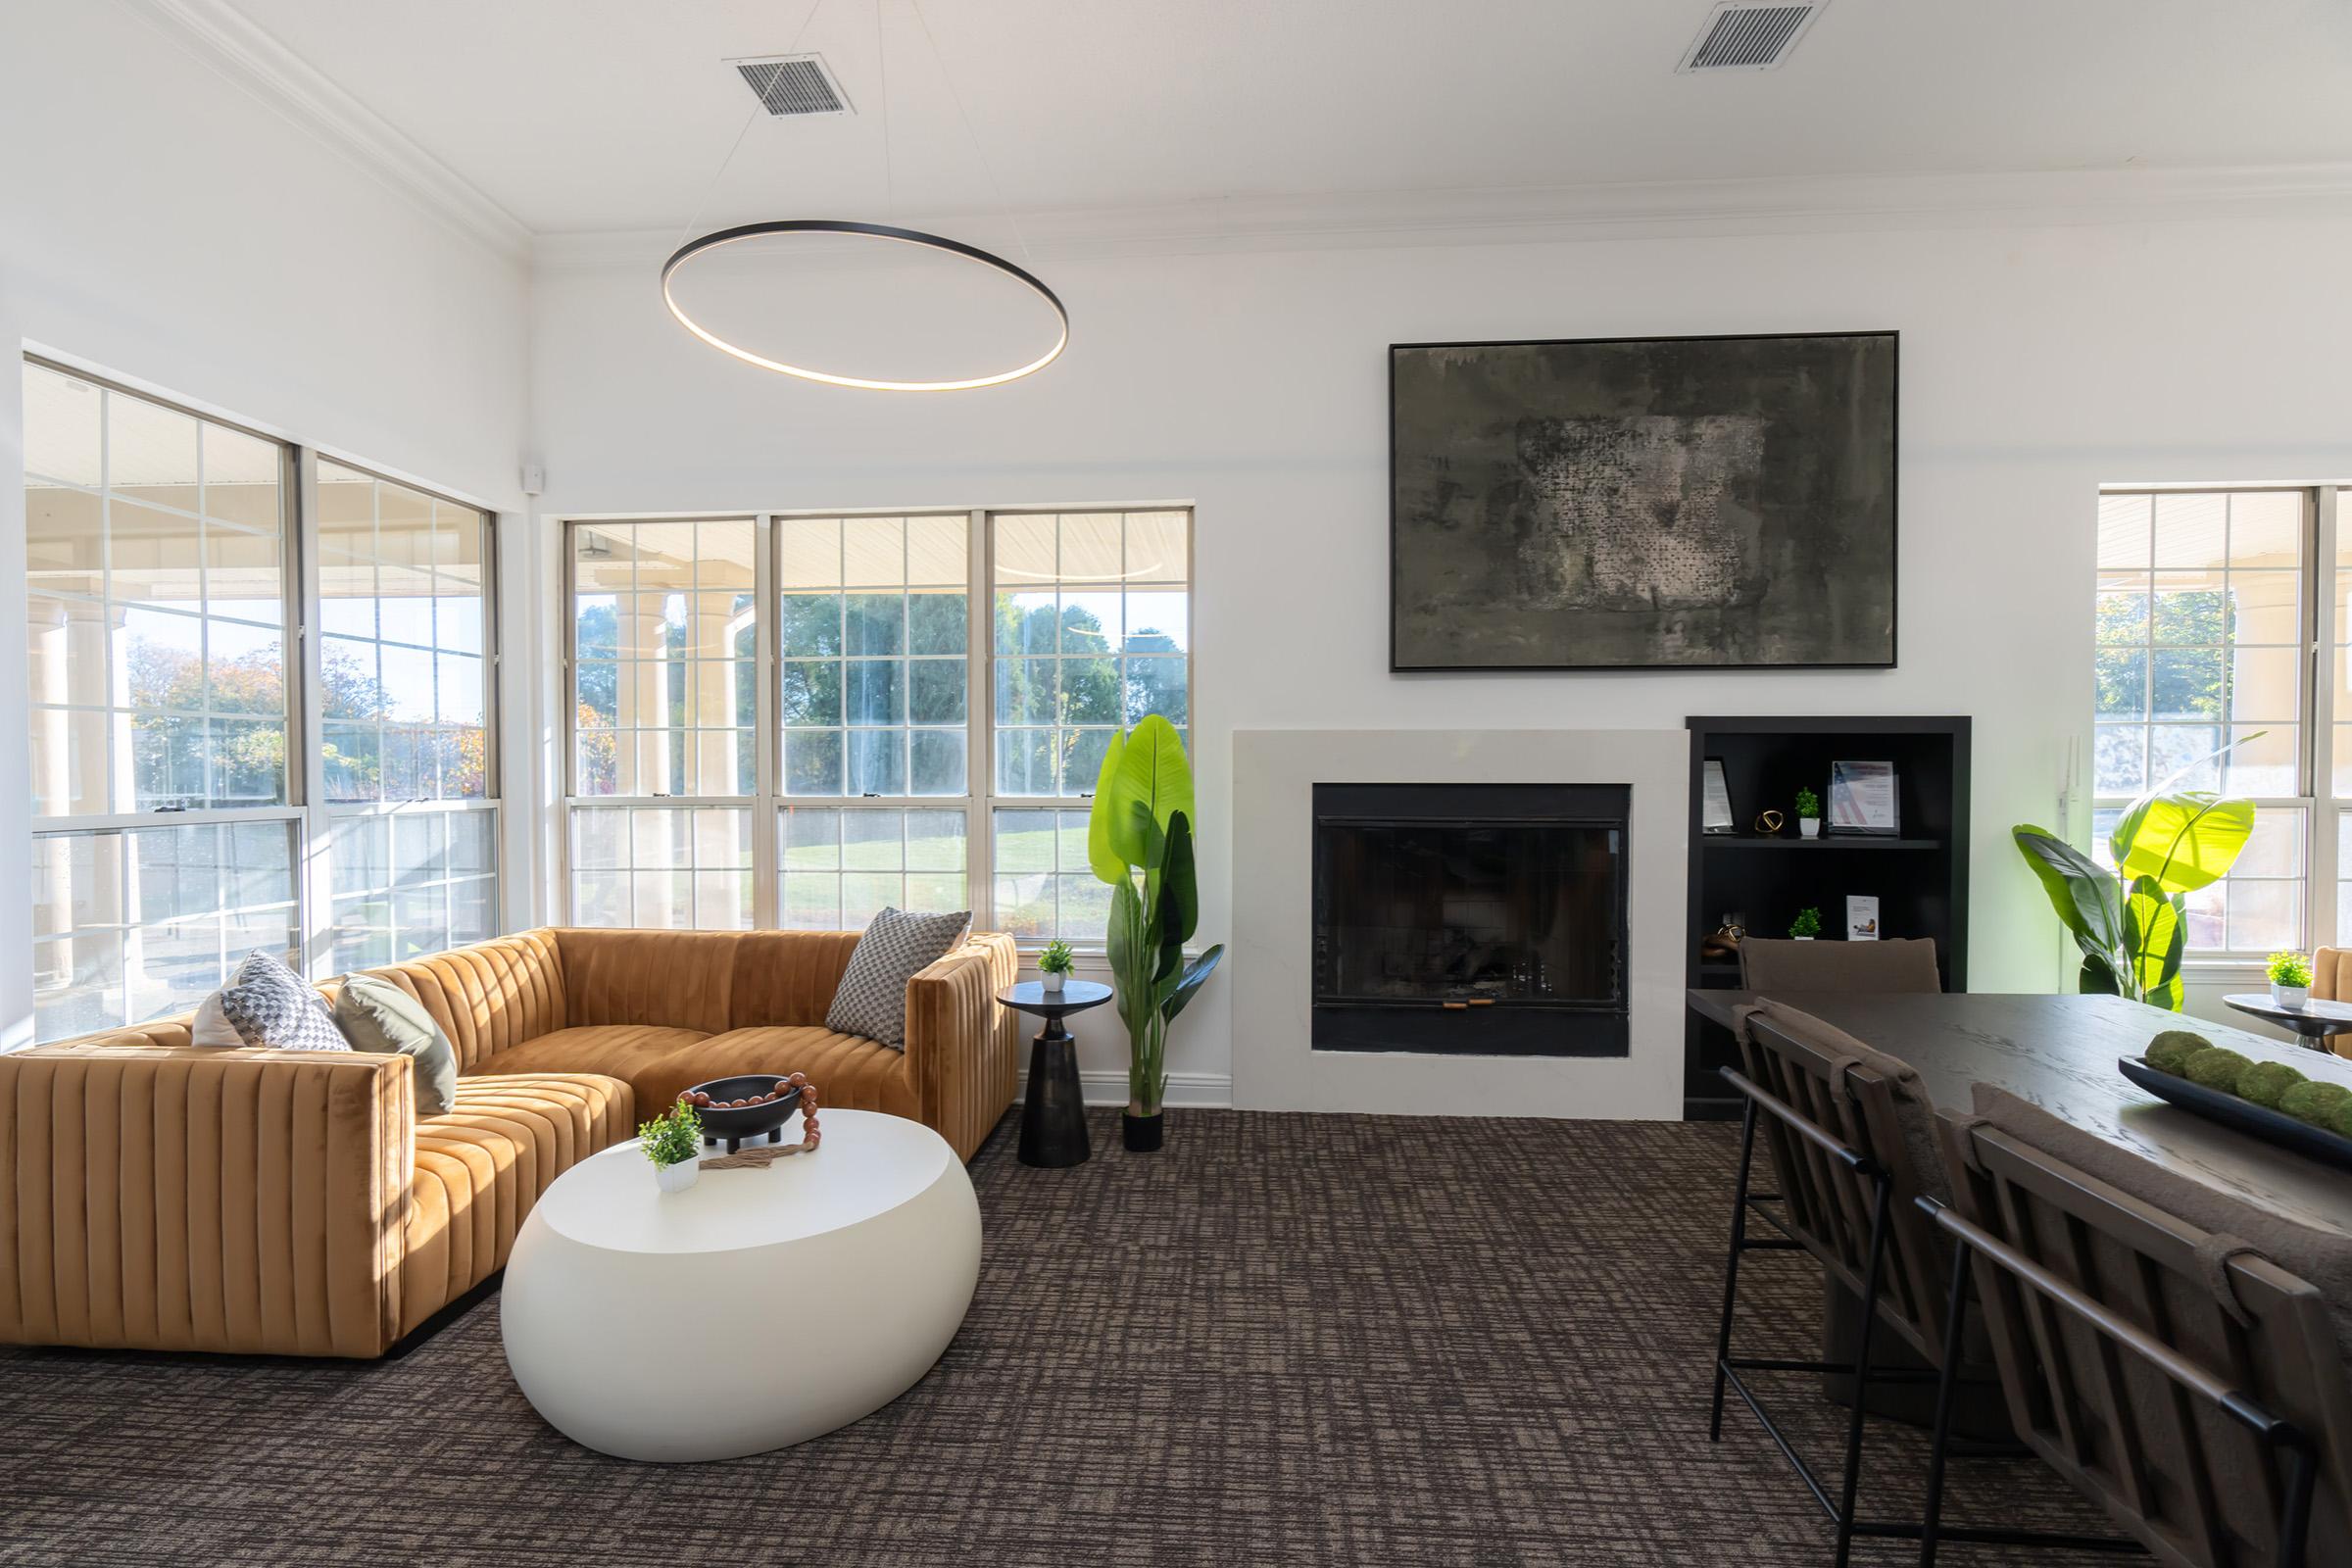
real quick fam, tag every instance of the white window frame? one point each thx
(2315, 798)
(980, 801)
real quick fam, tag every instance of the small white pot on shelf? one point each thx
(1808, 827)
(2289, 996)
(677, 1178)
(1051, 981)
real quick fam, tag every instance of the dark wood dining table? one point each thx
(2060, 1052)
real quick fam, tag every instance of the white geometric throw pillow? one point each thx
(266, 1003)
(871, 998)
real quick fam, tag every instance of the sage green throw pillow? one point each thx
(377, 1015)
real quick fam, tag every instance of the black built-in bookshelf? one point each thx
(1920, 876)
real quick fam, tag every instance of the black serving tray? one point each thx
(2255, 1121)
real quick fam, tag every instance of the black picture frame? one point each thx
(1892, 458)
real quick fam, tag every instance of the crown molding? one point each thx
(1536, 214)
(223, 38)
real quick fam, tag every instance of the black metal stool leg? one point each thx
(1945, 1398)
(1731, 1262)
(1869, 1313)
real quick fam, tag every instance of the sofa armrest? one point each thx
(186, 1200)
(961, 1043)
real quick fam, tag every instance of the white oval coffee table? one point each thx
(756, 1309)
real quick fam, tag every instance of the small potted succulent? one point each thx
(1807, 924)
(2290, 979)
(673, 1142)
(1054, 966)
(1808, 814)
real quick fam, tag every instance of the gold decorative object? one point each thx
(1770, 822)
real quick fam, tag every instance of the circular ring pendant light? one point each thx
(881, 232)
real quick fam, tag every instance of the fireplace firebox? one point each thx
(1471, 920)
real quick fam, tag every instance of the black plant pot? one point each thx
(1142, 1134)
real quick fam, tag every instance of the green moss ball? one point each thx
(2216, 1067)
(2265, 1081)
(2316, 1103)
(2170, 1051)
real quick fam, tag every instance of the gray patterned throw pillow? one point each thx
(871, 998)
(266, 1003)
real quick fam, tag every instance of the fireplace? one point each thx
(1471, 920)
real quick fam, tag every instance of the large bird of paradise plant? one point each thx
(2133, 923)
(1140, 840)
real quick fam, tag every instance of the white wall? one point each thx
(2036, 364)
(167, 226)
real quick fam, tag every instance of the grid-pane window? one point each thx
(404, 667)
(665, 648)
(672, 866)
(1091, 633)
(2203, 605)
(133, 924)
(841, 867)
(1044, 887)
(157, 588)
(410, 883)
(874, 636)
(156, 667)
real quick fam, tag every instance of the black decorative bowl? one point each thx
(737, 1125)
(2255, 1121)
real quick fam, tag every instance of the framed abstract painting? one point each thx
(1683, 502)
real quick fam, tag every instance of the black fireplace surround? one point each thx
(1471, 920)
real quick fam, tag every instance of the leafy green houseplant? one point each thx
(1054, 966)
(673, 1142)
(1807, 924)
(2131, 924)
(1808, 814)
(2290, 979)
(1139, 839)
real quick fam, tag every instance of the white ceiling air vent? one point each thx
(794, 84)
(1750, 35)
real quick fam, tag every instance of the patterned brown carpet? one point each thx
(1286, 1340)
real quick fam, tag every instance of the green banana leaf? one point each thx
(2156, 933)
(1109, 866)
(2182, 840)
(2081, 890)
(1194, 978)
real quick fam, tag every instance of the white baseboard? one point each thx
(1198, 1091)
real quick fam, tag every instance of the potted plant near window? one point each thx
(2290, 979)
(1139, 839)
(1808, 814)
(1054, 966)
(673, 1142)
(1807, 924)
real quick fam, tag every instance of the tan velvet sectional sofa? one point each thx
(157, 1196)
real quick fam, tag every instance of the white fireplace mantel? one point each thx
(1275, 1068)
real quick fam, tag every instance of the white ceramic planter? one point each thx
(2289, 996)
(1808, 827)
(1801, 939)
(1052, 982)
(677, 1178)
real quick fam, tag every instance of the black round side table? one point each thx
(2316, 1022)
(1054, 1120)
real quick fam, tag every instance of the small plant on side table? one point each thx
(1807, 924)
(1054, 966)
(1808, 814)
(673, 1142)
(2290, 979)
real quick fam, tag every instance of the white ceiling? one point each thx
(598, 115)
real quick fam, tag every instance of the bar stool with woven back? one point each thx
(2175, 1352)
(1853, 1145)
